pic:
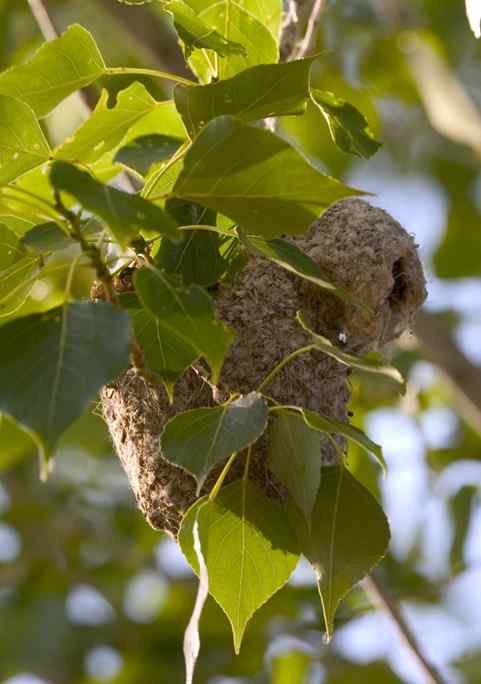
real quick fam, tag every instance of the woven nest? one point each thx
(358, 247)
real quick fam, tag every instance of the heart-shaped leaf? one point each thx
(58, 68)
(255, 178)
(348, 536)
(55, 363)
(198, 440)
(248, 547)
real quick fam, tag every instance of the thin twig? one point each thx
(309, 39)
(382, 600)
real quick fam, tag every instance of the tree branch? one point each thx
(381, 600)
(309, 40)
(439, 347)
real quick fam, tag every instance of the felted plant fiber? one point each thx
(358, 247)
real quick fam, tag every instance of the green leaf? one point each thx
(317, 421)
(291, 668)
(16, 444)
(236, 24)
(161, 179)
(106, 128)
(16, 283)
(362, 362)
(268, 12)
(256, 93)
(142, 153)
(249, 549)
(186, 315)
(349, 535)
(458, 255)
(461, 508)
(293, 259)
(55, 363)
(22, 142)
(125, 214)
(295, 458)
(198, 440)
(255, 178)
(197, 256)
(165, 352)
(58, 68)
(46, 237)
(348, 127)
(197, 34)
(164, 119)
(10, 248)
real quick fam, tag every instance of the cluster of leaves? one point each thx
(213, 185)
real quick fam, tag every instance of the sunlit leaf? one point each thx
(348, 127)
(16, 283)
(10, 248)
(107, 126)
(58, 68)
(22, 142)
(235, 23)
(248, 547)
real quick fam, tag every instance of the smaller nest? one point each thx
(358, 247)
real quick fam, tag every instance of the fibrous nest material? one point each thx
(358, 247)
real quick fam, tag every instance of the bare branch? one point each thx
(439, 347)
(309, 40)
(381, 599)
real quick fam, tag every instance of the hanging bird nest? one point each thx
(358, 247)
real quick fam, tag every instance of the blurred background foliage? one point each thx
(89, 593)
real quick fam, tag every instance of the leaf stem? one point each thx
(247, 466)
(381, 599)
(220, 480)
(121, 71)
(284, 362)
